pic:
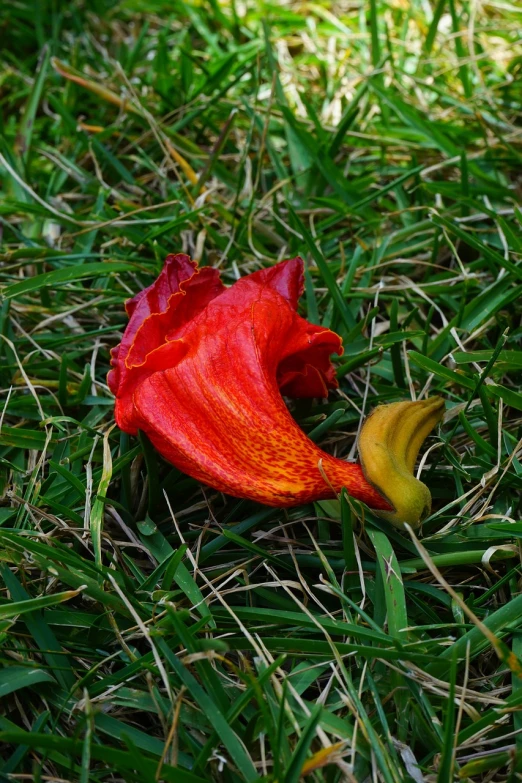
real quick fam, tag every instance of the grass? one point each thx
(150, 628)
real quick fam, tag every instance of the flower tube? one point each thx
(202, 370)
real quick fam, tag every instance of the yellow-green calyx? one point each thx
(388, 447)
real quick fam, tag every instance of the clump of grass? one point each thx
(152, 629)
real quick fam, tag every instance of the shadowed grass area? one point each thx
(151, 628)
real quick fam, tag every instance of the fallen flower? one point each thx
(201, 369)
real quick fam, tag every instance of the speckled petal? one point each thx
(219, 416)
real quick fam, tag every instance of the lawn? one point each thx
(151, 628)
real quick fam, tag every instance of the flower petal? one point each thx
(306, 369)
(182, 307)
(218, 413)
(158, 315)
(286, 277)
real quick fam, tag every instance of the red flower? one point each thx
(201, 369)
